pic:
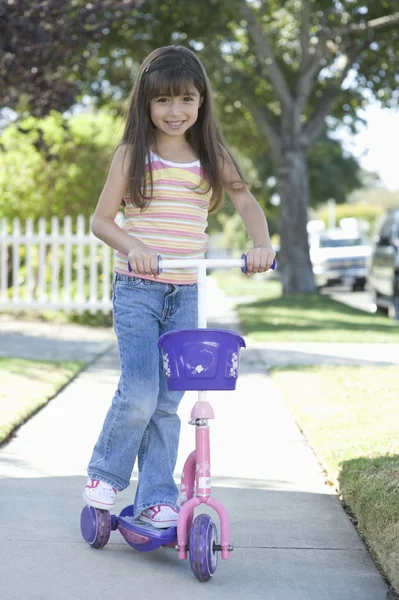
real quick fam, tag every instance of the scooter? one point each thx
(193, 359)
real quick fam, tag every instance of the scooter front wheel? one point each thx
(202, 542)
(95, 525)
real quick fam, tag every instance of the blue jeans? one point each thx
(142, 421)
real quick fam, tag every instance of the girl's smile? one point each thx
(175, 124)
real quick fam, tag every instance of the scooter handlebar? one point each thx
(187, 263)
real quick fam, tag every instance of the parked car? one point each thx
(384, 264)
(340, 256)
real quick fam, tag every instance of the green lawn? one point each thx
(350, 416)
(26, 386)
(300, 317)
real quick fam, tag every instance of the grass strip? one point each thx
(350, 416)
(26, 386)
(271, 317)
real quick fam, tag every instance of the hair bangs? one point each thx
(172, 81)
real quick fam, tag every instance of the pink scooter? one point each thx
(194, 359)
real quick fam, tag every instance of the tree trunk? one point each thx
(295, 267)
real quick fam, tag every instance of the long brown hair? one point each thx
(172, 70)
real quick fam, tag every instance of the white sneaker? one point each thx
(160, 516)
(99, 494)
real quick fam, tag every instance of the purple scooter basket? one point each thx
(201, 359)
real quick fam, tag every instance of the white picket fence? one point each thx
(61, 267)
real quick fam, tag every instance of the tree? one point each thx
(333, 173)
(307, 75)
(44, 44)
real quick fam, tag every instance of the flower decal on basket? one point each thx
(234, 365)
(166, 366)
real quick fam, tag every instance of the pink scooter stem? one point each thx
(197, 466)
(203, 458)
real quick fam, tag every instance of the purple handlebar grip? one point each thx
(129, 267)
(244, 268)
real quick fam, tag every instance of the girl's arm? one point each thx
(261, 256)
(141, 257)
(103, 224)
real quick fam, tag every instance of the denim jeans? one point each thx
(142, 421)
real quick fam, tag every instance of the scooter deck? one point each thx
(143, 536)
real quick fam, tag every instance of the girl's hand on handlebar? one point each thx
(143, 260)
(259, 259)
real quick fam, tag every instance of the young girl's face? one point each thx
(174, 115)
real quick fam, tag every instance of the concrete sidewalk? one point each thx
(292, 539)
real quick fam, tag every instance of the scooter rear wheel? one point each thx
(202, 542)
(95, 525)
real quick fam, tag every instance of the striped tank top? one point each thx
(175, 221)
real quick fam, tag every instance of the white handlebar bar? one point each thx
(208, 263)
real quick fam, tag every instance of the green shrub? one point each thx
(56, 165)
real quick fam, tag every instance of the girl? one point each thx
(171, 168)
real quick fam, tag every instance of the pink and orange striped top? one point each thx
(174, 224)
